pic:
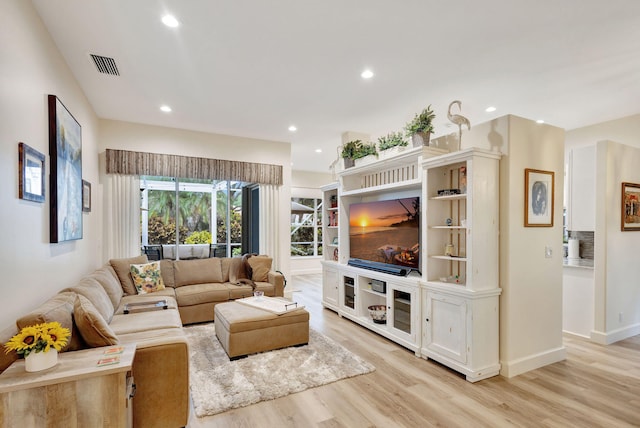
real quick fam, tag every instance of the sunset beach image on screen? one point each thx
(386, 231)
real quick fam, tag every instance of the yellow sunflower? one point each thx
(56, 335)
(23, 341)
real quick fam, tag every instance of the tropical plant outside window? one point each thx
(165, 198)
(306, 227)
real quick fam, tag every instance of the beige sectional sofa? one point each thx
(94, 311)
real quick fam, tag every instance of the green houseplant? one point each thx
(421, 127)
(393, 139)
(356, 149)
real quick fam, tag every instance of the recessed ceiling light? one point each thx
(490, 109)
(165, 109)
(170, 21)
(366, 74)
(539, 121)
(318, 150)
(293, 128)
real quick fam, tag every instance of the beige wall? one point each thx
(31, 68)
(616, 273)
(625, 130)
(531, 301)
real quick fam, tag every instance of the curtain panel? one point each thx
(140, 163)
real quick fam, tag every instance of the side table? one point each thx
(77, 392)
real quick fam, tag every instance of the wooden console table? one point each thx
(74, 393)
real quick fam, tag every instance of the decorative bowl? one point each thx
(378, 313)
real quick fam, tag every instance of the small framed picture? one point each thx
(630, 210)
(538, 201)
(31, 170)
(335, 240)
(86, 196)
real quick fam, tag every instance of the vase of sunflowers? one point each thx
(39, 345)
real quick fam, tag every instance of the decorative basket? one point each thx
(378, 313)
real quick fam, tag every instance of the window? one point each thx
(194, 203)
(306, 227)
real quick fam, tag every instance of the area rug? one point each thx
(218, 385)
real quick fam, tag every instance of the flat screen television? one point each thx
(386, 232)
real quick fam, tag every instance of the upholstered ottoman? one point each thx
(244, 330)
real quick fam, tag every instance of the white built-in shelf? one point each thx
(448, 227)
(375, 293)
(332, 209)
(455, 259)
(449, 197)
(332, 227)
(407, 184)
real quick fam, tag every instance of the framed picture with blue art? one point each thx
(65, 184)
(538, 201)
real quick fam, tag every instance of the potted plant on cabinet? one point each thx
(391, 144)
(356, 149)
(421, 127)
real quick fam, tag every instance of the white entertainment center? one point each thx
(448, 310)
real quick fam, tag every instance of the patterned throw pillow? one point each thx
(147, 277)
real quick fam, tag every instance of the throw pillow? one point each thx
(123, 270)
(260, 267)
(92, 327)
(147, 277)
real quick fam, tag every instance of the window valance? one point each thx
(140, 163)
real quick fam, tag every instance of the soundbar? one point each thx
(379, 267)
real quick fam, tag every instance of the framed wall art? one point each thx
(65, 184)
(538, 201)
(86, 196)
(630, 207)
(31, 170)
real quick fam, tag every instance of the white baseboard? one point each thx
(607, 338)
(532, 362)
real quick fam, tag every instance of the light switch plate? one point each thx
(548, 252)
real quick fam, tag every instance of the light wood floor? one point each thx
(596, 386)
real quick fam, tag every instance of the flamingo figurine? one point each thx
(458, 119)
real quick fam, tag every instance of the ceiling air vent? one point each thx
(105, 65)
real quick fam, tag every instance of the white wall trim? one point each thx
(532, 362)
(613, 336)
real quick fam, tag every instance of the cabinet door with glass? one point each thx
(403, 311)
(348, 293)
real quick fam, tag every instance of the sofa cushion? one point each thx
(147, 277)
(123, 270)
(166, 268)
(145, 321)
(92, 326)
(189, 272)
(239, 291)
(225, 263)
(236, 270)
(107, 277)
(202, 293)
(260, 267)
(59, 308)
(92, 290)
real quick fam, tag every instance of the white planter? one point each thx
(36, 361)
(393, 151)
(366, 160)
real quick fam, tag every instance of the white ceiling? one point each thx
(252, 68)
